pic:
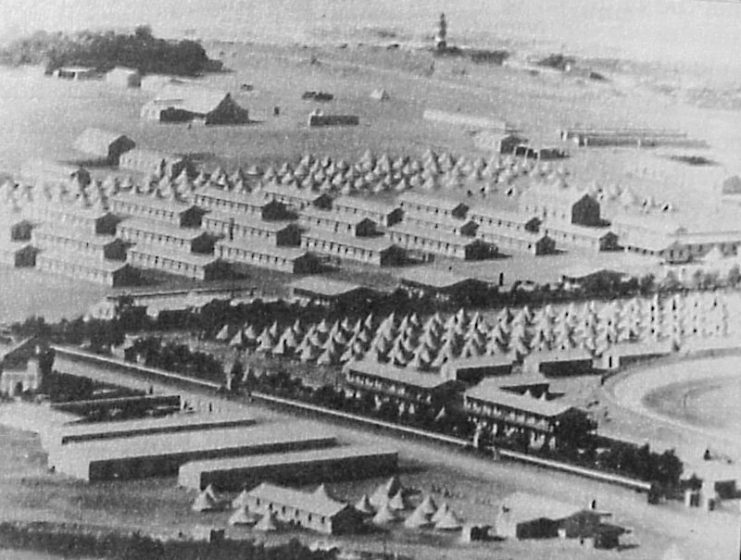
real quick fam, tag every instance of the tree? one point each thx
(574, 431)
(668, 468)
(143, 33)
(647, 284)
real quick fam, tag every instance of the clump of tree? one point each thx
(178, 358)
(664, 468)
(105, 50)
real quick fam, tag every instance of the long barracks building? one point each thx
(178, 214)
(235, 227)
(371, 250)
(190, 265)
(292, 260)
(251, 204)
(171, 238)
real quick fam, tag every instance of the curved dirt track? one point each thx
(692, 395)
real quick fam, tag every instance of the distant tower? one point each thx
(441, 36)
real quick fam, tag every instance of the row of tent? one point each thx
(386, 506)
(409, 341)
(321, 174)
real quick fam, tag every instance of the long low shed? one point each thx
(163, 454)
(140, 403)
(304, 467)
(75, 433)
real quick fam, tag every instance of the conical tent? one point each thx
(384, 492)
(211, 491)
(223, 334)
(363, 505)
(441, 512)
(267, 523)
(448, 522)
(397, 501)
(379, 94)
(428, 506)
(204, 502)
(240, 500)
(322, 492)
(417, 519)
(242, 516)
(384, 516)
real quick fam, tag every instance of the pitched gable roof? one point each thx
(314, 502)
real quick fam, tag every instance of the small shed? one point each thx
(318, 119)
(104, 145)
(17, 254)
(187, 103)
(527, 516)
(380, 94)
(124, 77)
(21, 230)
(576, 361)
(499, 143)
(75, 73)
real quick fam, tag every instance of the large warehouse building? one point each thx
(65, 434)
(297, 467)
(163, 454)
